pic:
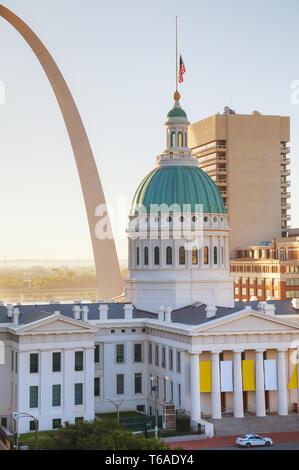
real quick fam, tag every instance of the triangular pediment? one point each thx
(55, 323)
(248, 322)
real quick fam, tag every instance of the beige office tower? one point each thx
(246, 155)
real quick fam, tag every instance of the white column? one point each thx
(282, 384)
(88, 396)
(195, 389)
(238, 386)
(259, 383)
(68, 385)
(216, 395)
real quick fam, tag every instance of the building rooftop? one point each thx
(190, 315)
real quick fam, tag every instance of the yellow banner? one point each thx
(248, 375)
(205, 377)
(294, 379)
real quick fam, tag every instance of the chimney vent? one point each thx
(161, 313)
(85, 311)
(128, 309)
(168, 311)
(76, 311)
(103, 309)
(211, 311)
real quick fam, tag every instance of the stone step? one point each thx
(230, 426)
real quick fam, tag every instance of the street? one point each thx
(277, 446)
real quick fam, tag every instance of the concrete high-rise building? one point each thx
(246, 156)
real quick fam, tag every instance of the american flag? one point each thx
(182, 70)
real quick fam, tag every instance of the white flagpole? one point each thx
(176, 51)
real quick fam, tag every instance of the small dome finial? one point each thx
(176, 95)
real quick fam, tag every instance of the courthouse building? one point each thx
(179, 325)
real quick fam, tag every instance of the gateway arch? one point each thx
(105, 256)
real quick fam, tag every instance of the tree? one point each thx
(99, 435)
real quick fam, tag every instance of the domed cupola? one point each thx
(178, 233)
(177, 179)
(177, 114)
(178, 186)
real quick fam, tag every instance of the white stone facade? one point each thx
(168, 350)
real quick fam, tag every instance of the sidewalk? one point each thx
(229, 441)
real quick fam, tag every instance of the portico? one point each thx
(235, 371)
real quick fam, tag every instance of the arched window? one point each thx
(182, 255)
(137, 255)
(172, 139)
(146, 256)
(157, 255)
(169, 255)
(206, 255)
(180, 139)
(215, 255)
(195, 256)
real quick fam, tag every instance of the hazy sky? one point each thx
(118, 58)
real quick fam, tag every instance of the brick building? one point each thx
(268, 270)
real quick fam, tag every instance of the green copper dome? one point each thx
(178, 185)
(176, 112)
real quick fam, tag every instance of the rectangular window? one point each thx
(120, 353)
(179, 395)
(163, 357)
(97, 353)
(78, 360)
(138, 352)
(78, 394)
(171, 390)
(56, 395)
(157, 355)
(97, 386)
(33, 396)
(178, 361)
(170, 359)
(32, 425)
(150, 353)
(138, 383)
(4, 422)
(120, 385)
(56, 362)
(33, 363)
(56, 423)
(78, 419)
(16, 370)
(12, 359)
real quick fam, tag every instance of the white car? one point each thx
(250, 440)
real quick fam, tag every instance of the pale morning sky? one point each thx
(118, 58)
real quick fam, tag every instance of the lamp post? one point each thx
(117, 405)
(17, 415)
(154, 388)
